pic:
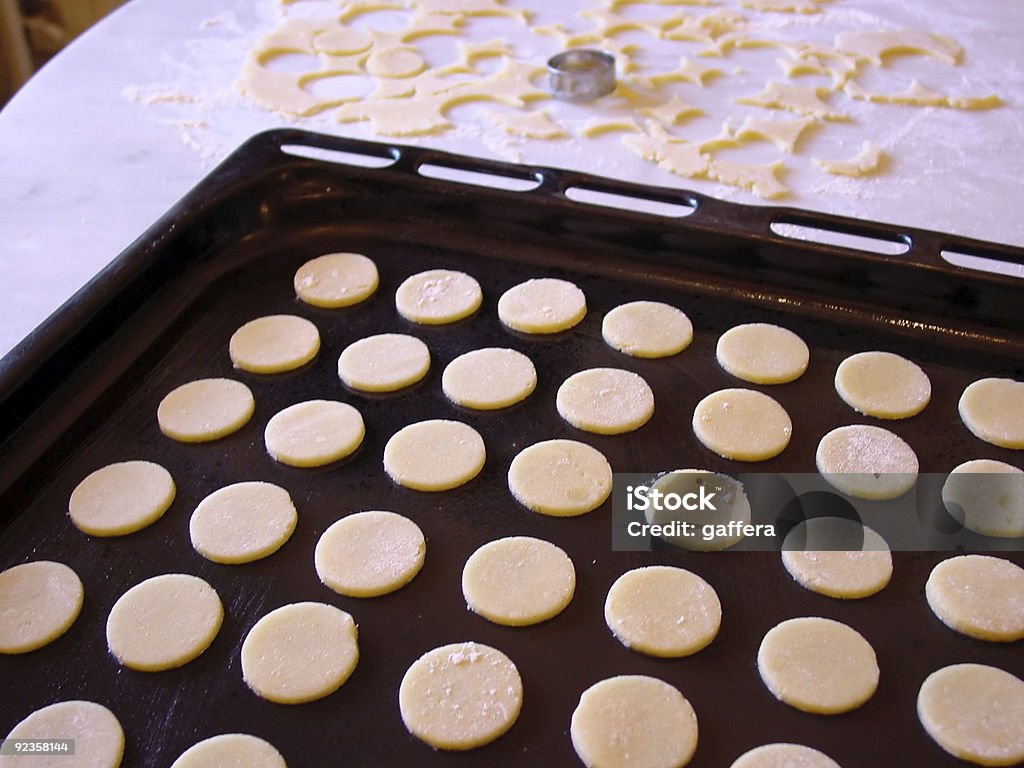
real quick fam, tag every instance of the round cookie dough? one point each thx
(205, 410)
(974, 712)
(762, 353)
(993, 409)
(663, 611)
(608, 401)
(460, 696)
(986, 497)
(730, 501)
(488, 379)
(540, 306)
(314, 433)
(370, 553)
(818, 665)
(336, 280)
(866, 462)
(384, 363)
(633, 720)
(243, 522)
(560, 478)
(434, 455)
(980, 596)
(783, 756)
(97, 733)
(519, 580)
(274, 344)
(164, 622)
(300, 652)
(742, 424)
(883, 385)
(647, 329)
(438, 296)
(231, 750)
(39, 601)
(841, 573)
(121, 498)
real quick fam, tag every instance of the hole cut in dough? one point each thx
(762, 353)
(386, 362)
(229, 750)
(96, 731)
(243, 522)
(39, 601)
(489, 379)
(542, 306)
(370, 554)
(336, 280)
(438, 296)
(274, 344)
(314, 433)
(883, 385)
(986, 497)
(979, 596)
(783, 756)
(993, 409)
(742, 424)
(121, 498)
(647, 329)
(434, 455)
(867, 462)
(606, 401)
(842, 573)
(205, 410)
(560, 478)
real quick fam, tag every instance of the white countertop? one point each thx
(135, 112)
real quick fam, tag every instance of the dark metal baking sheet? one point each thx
(83, 390)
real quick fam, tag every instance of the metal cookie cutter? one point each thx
(581, 74)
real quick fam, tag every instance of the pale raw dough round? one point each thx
(231, 750)
(519, 580)
(370, 553)
(121, 498)
(783, 756)
(543, 305)
(164, 622)
(384, 363)
(314, 433)
(840, 573)
(633, 720)
(974, 712)
(730, 501)
(866, 462)
(647, 329)
(438, 296)
(818, 665)
(204, 410)
(883, 385)
(336, 280)
(395, 62)
(300, 652)
(460, 696)
(986, 497)
(993, 409)
(243, 522)
(980, 596)
(274, 344)
(97, 733)
(608, 401)
(663, 611)
(488, 379)
(39, 601)
(560, 478)
(434, 455)
(762, 353)
(742, 424)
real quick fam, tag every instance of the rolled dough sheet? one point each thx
(488, 379)
(762, 353)
(841, 573)
(883, 385)
(231, 750)
(314, 433)
(518, 580)
(384, 363)
(39, 601)
(980, 596)
(867, 462)
(336, 280)
(242, 522)
(634, 720)
(274, 344)
(205, 410)
(300, 652)
(607, 401)
(742, 424)
(731, 504)
(560, 478)
(818, 665)
(974, 712)
(647, 329)
(986, 497)
(164, 622)
(542, 306)
(663, 611)
(370, 553)
(438, 296)
(434, 455)
(460, 696)
(784, 756)
(993, 409)
(99, 738)
(121, 498)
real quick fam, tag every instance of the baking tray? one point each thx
(82, 392)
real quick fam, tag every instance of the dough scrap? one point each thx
(986, 497)
(518, 581)
(874, 45)
(434, 455)
(529, 125)
(742, 424)
(229, 750)
(205, 410)
(121, 498)
(386, 362)
(39, 601)
(688, 71)
(883, 385)
(979, 596)
(243, 522)
(801, 99)
(368, 554)
(336, 280)
(671, 112)
(164, 622)
(438, 296)
(783, 756)
(866, 161)
(97, 733)
(488, 379)
(918, 95)
(314, 433)
(993, 409)
(542, 306)
(762, 353)
(761, 179)
(274, 344)
(460, 696)
(784, 134)
(730, 500)
(818, 665)
(683, 158)
(560, 478)
(842, 573)
(867, 462)
(647, 329)
(300, 652)
(607, 401)
(634, 720)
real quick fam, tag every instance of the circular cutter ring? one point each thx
(581, 74)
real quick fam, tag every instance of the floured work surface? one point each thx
(231, 257)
